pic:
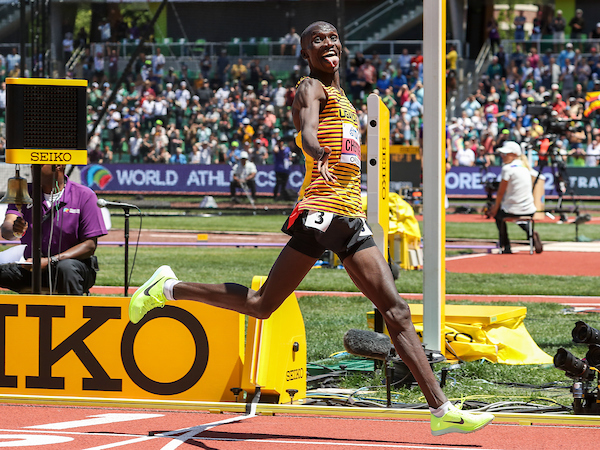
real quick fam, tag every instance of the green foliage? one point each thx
(83, 18)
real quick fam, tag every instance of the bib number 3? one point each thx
(319, 220)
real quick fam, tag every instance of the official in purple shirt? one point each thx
(71, 225)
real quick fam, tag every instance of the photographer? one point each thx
(514, 197)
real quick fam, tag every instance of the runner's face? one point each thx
(324, 48)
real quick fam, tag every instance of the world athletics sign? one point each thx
(215, 179)
(183, 179)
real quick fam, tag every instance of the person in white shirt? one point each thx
(135, 144)
(158, 63)
(195, 156)
(206, 153)
(592, 153)
(515, 194)
(183, 96)
(243, 174)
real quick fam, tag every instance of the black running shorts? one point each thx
(313, 232)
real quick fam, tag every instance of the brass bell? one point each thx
(16, 191)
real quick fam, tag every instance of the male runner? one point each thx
(328, 215)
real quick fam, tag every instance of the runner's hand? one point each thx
(323, 166)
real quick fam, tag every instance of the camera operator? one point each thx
(514, 197)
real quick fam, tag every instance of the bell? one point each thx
(16, 191)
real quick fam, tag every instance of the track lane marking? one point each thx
(100, 419)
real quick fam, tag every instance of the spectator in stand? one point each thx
(135, 145)
(567, 78)
(158, 65)
(595, 33)
(558, 29)
(404, 61)
(283, 163)
(195, 156)
(238, 72)
(566, 53)
(207, 152)
(577, 24)
(502, 58)
(205, 65)
(592, 151)
(105, 31)
(369, 74)
(517, 57)
(493, 34)
(533, 57)
(13, 61)
(223, 67)
(99, 66)
(290, 43)
(538, 26)
(451, 58)
(278, 96)
(470, 105)
(259, 152)
(519, 23)
(67, 45)
(81, 40)
(178, 157)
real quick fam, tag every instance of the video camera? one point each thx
(585, 394)
(552, 124)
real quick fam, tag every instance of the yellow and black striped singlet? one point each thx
(339, 130)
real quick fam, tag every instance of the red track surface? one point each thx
(264, 432)
(306, 432)
(546, 263)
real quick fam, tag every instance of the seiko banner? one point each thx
(215, 179)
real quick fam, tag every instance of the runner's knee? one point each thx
(397, 317)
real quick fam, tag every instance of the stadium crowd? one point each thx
(231, 105)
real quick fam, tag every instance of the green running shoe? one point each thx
(150, 294)
(457, 421)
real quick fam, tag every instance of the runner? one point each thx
(328, 215)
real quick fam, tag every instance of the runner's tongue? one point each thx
(334, 60)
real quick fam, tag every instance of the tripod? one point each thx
(552, 158)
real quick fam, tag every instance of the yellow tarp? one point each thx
(495, 333)
(401, 215)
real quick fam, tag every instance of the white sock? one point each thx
(442, 410)
(168, 288)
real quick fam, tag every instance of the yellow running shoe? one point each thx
(150, 294)
(458, 421)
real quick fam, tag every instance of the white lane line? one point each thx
(100, 419)
(193, 432)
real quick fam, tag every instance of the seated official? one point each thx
(515, 194)
(71, 225)
(243, 177)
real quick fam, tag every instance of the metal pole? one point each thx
(126, 284)
(434, 167)
(36, 251)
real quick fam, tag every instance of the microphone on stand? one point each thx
(370, 344)
(126, 207)
(102, 203)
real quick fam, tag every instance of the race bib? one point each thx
(366, 231)
(350, 144)
(318, 219)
